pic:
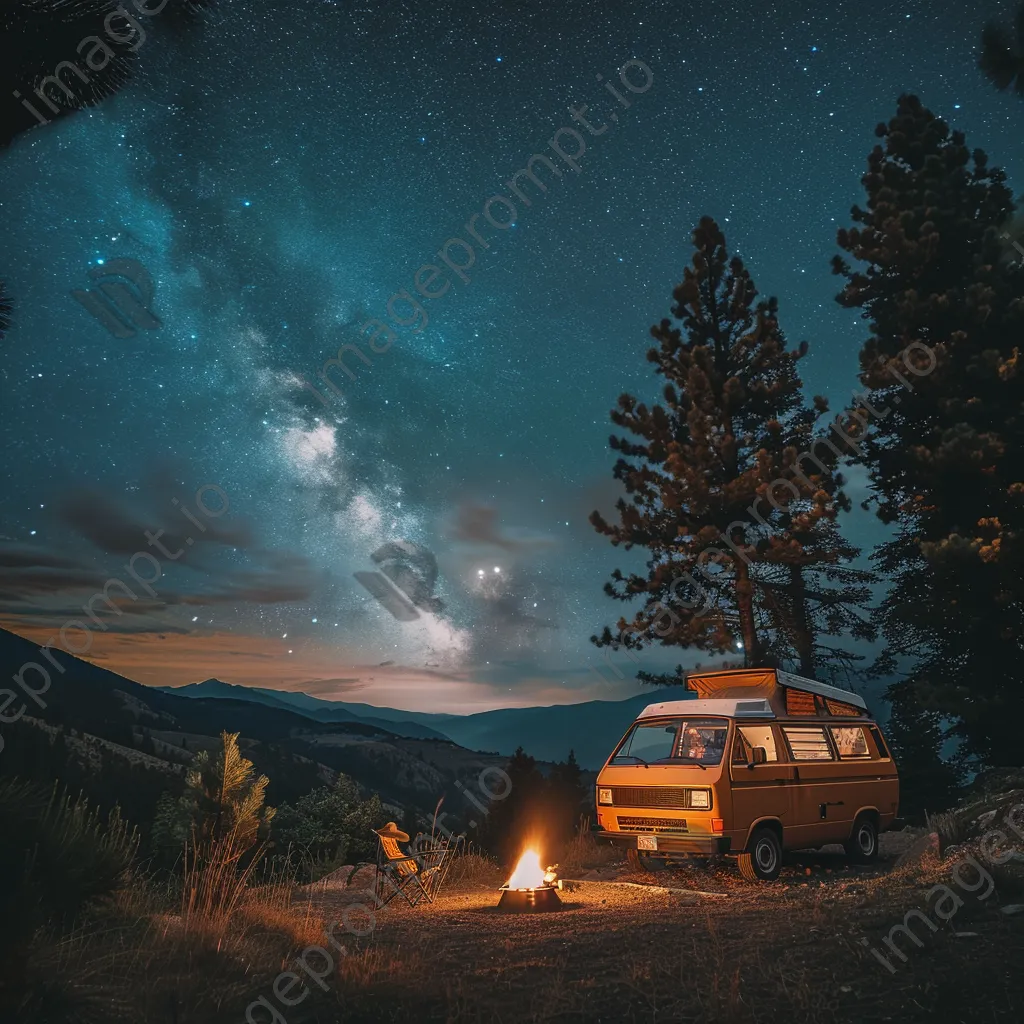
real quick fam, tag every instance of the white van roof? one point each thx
(745, 693)
(722, 706)
(824, 689)
(743, 682)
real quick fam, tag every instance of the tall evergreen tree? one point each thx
(729, 487)
(518, 818)
(1002, 54)
(943, 297)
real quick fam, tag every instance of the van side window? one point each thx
(740, 750)
(850, 741)
(750, 736)
(883, 750)
(800, 703)
(808, 742)
(838, 707)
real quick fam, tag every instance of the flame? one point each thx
(528, 873)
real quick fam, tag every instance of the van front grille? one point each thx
(650, 796)
(631, 824)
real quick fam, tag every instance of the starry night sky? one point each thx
(281, 174)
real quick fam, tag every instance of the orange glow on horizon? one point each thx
(311, 665)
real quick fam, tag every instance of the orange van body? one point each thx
(758, 750)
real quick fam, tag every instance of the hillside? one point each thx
(401, 723)
(123, 742)
(591, 728)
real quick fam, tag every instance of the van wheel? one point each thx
(638, 861)
(862, 846)
(762, 860)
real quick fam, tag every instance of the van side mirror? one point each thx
(758, 755)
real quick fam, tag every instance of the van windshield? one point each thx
(674, 741)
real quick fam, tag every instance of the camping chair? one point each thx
(416, 876)
(435, 854)
(398, 873)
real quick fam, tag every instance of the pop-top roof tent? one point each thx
(762, 691)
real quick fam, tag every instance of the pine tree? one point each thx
(519, 818)
(942, 295)
(568, 798)
(740, 529)
(221, 813)
(57, 856)
(1002, 54)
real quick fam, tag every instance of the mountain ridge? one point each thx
(589, 728)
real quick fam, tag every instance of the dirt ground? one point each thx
(690, 944)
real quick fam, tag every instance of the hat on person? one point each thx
(392, 831)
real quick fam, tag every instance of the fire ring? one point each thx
(540, 900)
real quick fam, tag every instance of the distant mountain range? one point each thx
(352, 737)
(140, 738)
(401, 723)
(591, 728)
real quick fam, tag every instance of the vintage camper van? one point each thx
(759, 762)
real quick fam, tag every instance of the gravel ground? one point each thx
(698, 944)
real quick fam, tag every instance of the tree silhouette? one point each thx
(729, 486)
(42, 39)
(57, 856)
(221, 814)
(1002, 54)
(942, 296)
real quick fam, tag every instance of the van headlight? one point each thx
(700, 798)
(604, 796)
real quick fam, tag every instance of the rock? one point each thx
(845, 988)
(1012, 908)
(363, 876)
(925, 850)
(339, 876)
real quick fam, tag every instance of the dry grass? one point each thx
(134, 959)
(473, 867)
(787, 952)
(583, 851)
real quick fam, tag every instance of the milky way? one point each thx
(282, 176)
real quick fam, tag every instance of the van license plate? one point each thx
(646, 842)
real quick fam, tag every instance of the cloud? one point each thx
(478, 524)
(118, 528)
(21, 556)
(26, 570)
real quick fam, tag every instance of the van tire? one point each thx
(762, 860)
(862, 846)
(638, 861)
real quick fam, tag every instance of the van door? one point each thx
(758, 790)
(820, 811)
(867, 781)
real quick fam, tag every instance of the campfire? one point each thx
(530, 889)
